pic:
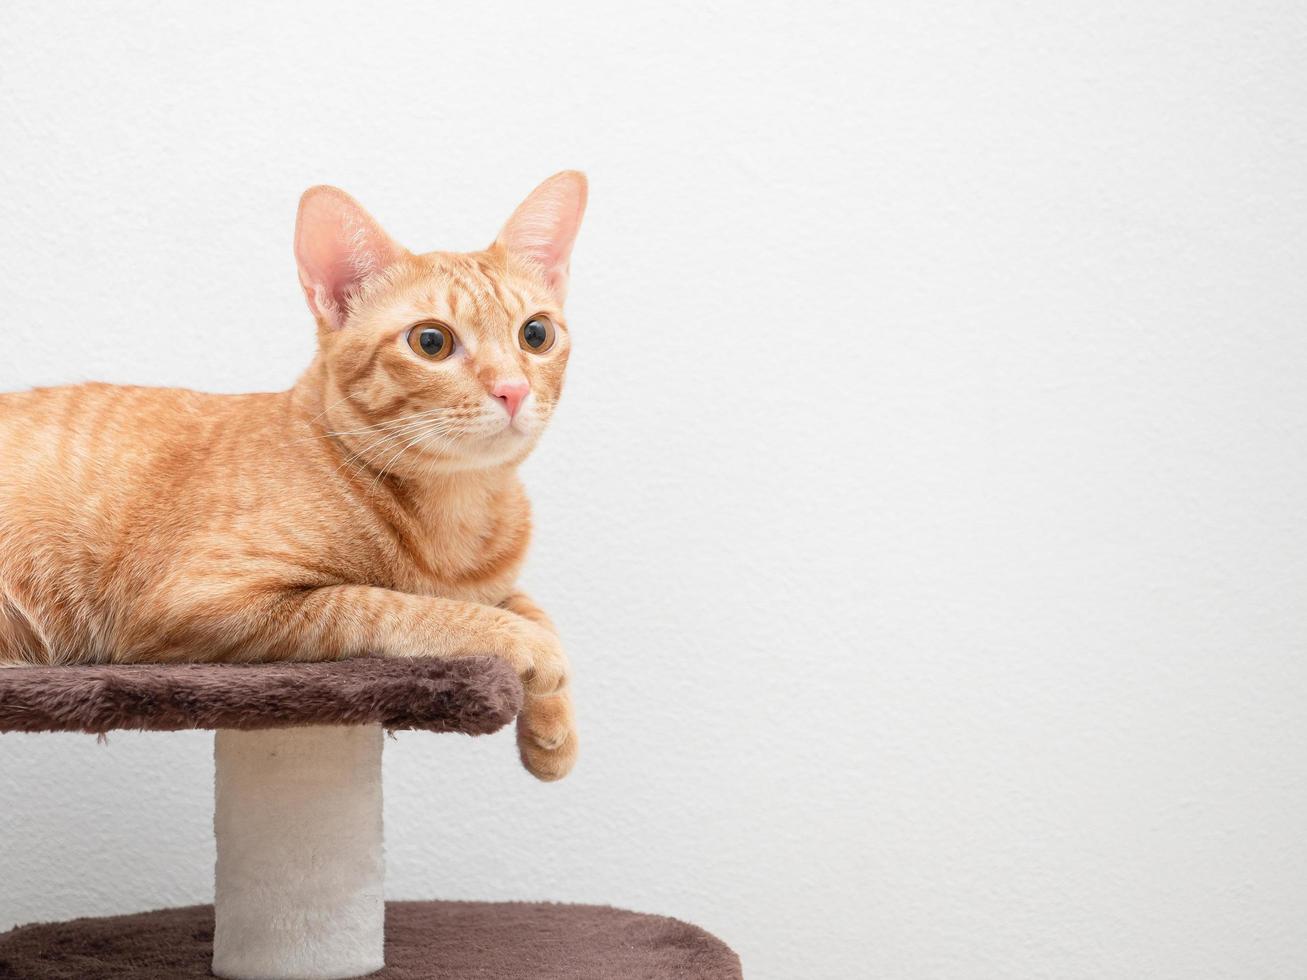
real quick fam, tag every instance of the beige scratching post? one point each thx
(299, 887)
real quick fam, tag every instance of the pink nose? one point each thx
(512, 394)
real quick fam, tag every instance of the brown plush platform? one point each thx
(424, 941)
(475, 695)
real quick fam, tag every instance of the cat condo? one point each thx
(299, 879)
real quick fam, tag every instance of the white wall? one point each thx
(926, 511)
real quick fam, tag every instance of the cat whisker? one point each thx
(432, 425)
(420, 437)
(376, 427)
(418, 416)
(389, 432)
(336, 403)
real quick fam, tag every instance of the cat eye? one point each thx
(431, 340)
(537, 334)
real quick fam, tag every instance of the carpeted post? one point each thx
(299, 877)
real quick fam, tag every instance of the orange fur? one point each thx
(372, 509)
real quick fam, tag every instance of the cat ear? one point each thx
(338, 246)
(544, 226)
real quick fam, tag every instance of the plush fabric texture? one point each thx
(299, 884)
(473, 695)
(424, 941)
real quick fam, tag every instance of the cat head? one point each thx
(443, 360)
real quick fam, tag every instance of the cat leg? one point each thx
(546, 728)
(398, 624)
(340, 621)
(354, 619)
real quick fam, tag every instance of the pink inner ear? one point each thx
(544, 227)
(338, 246)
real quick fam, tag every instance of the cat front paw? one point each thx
(538, 657)
(546, 736)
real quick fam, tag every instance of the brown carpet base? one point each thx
(476, 695)
(424, 941)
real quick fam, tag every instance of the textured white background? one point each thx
(926, 511)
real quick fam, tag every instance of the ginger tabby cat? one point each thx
(373, 509)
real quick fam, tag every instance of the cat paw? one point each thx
(546, 736)
(539, 659)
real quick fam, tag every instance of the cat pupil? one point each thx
(534, 333)
(432, 341)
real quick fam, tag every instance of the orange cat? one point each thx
(372, 509)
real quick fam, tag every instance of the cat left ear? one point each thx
(338, 247)
(543, 228)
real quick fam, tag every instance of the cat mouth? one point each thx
(515, 427)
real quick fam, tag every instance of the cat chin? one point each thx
(507, 448)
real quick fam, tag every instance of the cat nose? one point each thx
(512, 394)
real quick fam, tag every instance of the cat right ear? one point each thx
(544, 227)
(338, 246)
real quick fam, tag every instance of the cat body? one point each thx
(139, 503)
(373, 509)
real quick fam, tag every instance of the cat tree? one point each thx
(299, 878)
